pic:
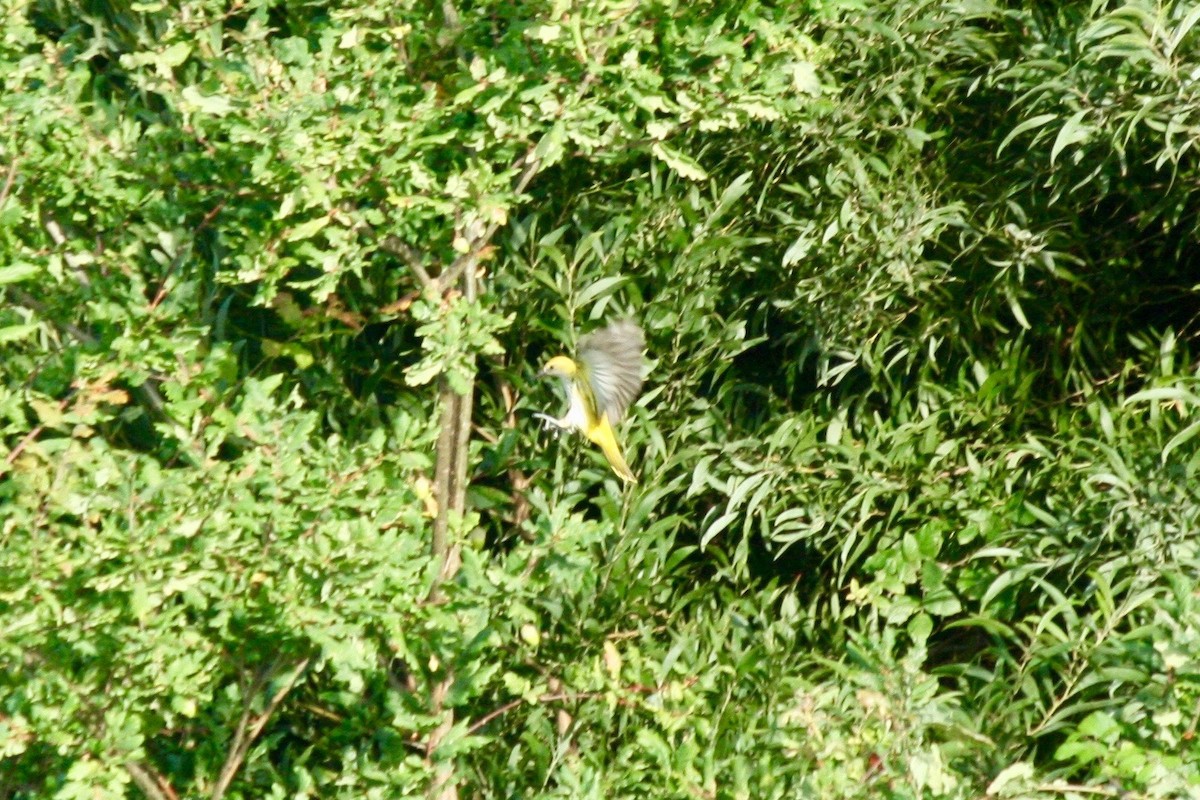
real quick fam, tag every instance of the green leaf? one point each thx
(308, 229)
(176, 54)
(1172, 393)
(215, 105)
(17, 272)
(600, 288)
(1028, 125)
(1072, 132)
(12, 333)
(1179, 439)
(685, 166)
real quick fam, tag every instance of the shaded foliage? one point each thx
(917, 450)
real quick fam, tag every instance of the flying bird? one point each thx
(601, 384)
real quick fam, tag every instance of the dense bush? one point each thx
(918, 449)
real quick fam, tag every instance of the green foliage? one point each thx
(918, 448)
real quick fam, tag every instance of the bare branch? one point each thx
(552, 697)
(21, 445)
(395, 246)
(8, 181)
(152, 784)
(247, 730)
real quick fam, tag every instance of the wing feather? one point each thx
(612, 361)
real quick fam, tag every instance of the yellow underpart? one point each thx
(601, 433)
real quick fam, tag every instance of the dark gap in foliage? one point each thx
(784, 364)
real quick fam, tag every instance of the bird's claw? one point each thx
(548, 422)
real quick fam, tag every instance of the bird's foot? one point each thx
(549, 422)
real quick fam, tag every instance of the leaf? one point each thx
(1012, 780)
(1184, 436)
(1072, 132)
(213, 104)
(732, 194)
(612, 660)
(549, 149)
(175, 55)
(1163, 393)
(1014, 305)
(604, 286)
(804, 78)
(1027, 125)
(12, 333)
(1185, 25)
(715, 529)
(798, 250)
(306, 230)
(684, 166)
(20, 271)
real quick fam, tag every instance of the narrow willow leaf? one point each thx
(715, 529)
(602, 287)
(1072, 132)
(1027, 125)
(1184, 436)
(1163, 393)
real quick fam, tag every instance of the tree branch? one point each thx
(552, 697)
(152, 784)
(443, 469)
(8, 181)
(443, 786)
(396, 246)
(453, 447)
(247, 730)
(462, 433)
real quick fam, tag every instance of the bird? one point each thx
(600, 385)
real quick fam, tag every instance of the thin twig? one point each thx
(8, 181)
(21, 445)
(154, 786)
(1069, 788)
(248, 731)
(178, 259)
(552, 697)
(162, 287)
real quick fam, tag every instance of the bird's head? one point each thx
(560, 367)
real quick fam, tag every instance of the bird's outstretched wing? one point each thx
(612, 362)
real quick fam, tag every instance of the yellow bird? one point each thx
(600, 387)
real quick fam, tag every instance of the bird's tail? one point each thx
(602, 434)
